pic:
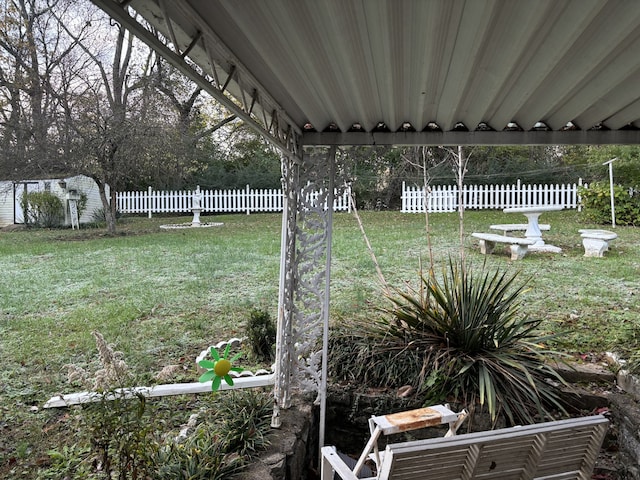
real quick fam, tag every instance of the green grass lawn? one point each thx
(162, 296)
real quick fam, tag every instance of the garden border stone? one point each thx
(293, 450)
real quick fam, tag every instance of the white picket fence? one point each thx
(441, 198)
(246, 200)
(445, 198)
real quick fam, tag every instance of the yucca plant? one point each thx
(461, 337)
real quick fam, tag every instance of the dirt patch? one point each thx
(13, 228)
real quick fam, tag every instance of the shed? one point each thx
(11, 194)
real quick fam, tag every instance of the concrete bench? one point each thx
(564, 449)
(596, 242)
(518, 246)
(511, 227)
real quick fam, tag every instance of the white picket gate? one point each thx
(444, 198)
(247, 200)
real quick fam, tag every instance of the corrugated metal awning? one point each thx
(416, 71)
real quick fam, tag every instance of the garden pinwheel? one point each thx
(219, 368)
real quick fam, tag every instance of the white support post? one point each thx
(325, 309)
(284, 338)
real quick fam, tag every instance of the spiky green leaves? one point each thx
(458, 335)
(469, 327)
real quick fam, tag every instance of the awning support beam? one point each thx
(577, 137)
(277, 131)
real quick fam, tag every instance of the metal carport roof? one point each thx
(340, 72)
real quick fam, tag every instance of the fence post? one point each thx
(149, 201)
(247, 200)
(577, 194)
(403, 208)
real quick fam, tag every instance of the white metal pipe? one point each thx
(158, 391)
(325, 313)
(613, 209)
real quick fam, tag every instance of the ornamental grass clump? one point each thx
(460, 338)
(261, 334)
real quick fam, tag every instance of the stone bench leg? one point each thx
(594, 247)
(518, 251)
(486, 246)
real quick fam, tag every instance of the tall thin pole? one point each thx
(325, 313)
(461, 172)
(613, 210)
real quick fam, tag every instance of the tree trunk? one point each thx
(111, 221)
(108, 206)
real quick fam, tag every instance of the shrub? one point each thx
(98, 216)
(200, 456)
(220, 446)
(243, 419)
(261, 334)
(70, 461)
(462, 338)
(122, 432)
(42, 209)
(596, 203)
(124, 435)
(127, 438)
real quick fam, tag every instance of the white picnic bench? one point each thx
(596, 242)
(516, 227)
(517, 245)
(563, 449)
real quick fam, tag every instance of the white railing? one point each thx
(445, 198)
(246, 200)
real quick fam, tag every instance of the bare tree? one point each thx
(195, 122)
(424, 159)
(117, 123)
(460, 162)
(79, 95)
(33, 58)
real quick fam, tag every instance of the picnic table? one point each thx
(533, 231)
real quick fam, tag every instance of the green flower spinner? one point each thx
(219, 368)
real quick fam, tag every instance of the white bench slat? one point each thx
(495, 237)
(557, 450)
(596, 233)
(517, 245)
(510, 227)
(513, 455)
(332, 463)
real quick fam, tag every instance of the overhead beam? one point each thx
(569, 137)
(280, 131)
